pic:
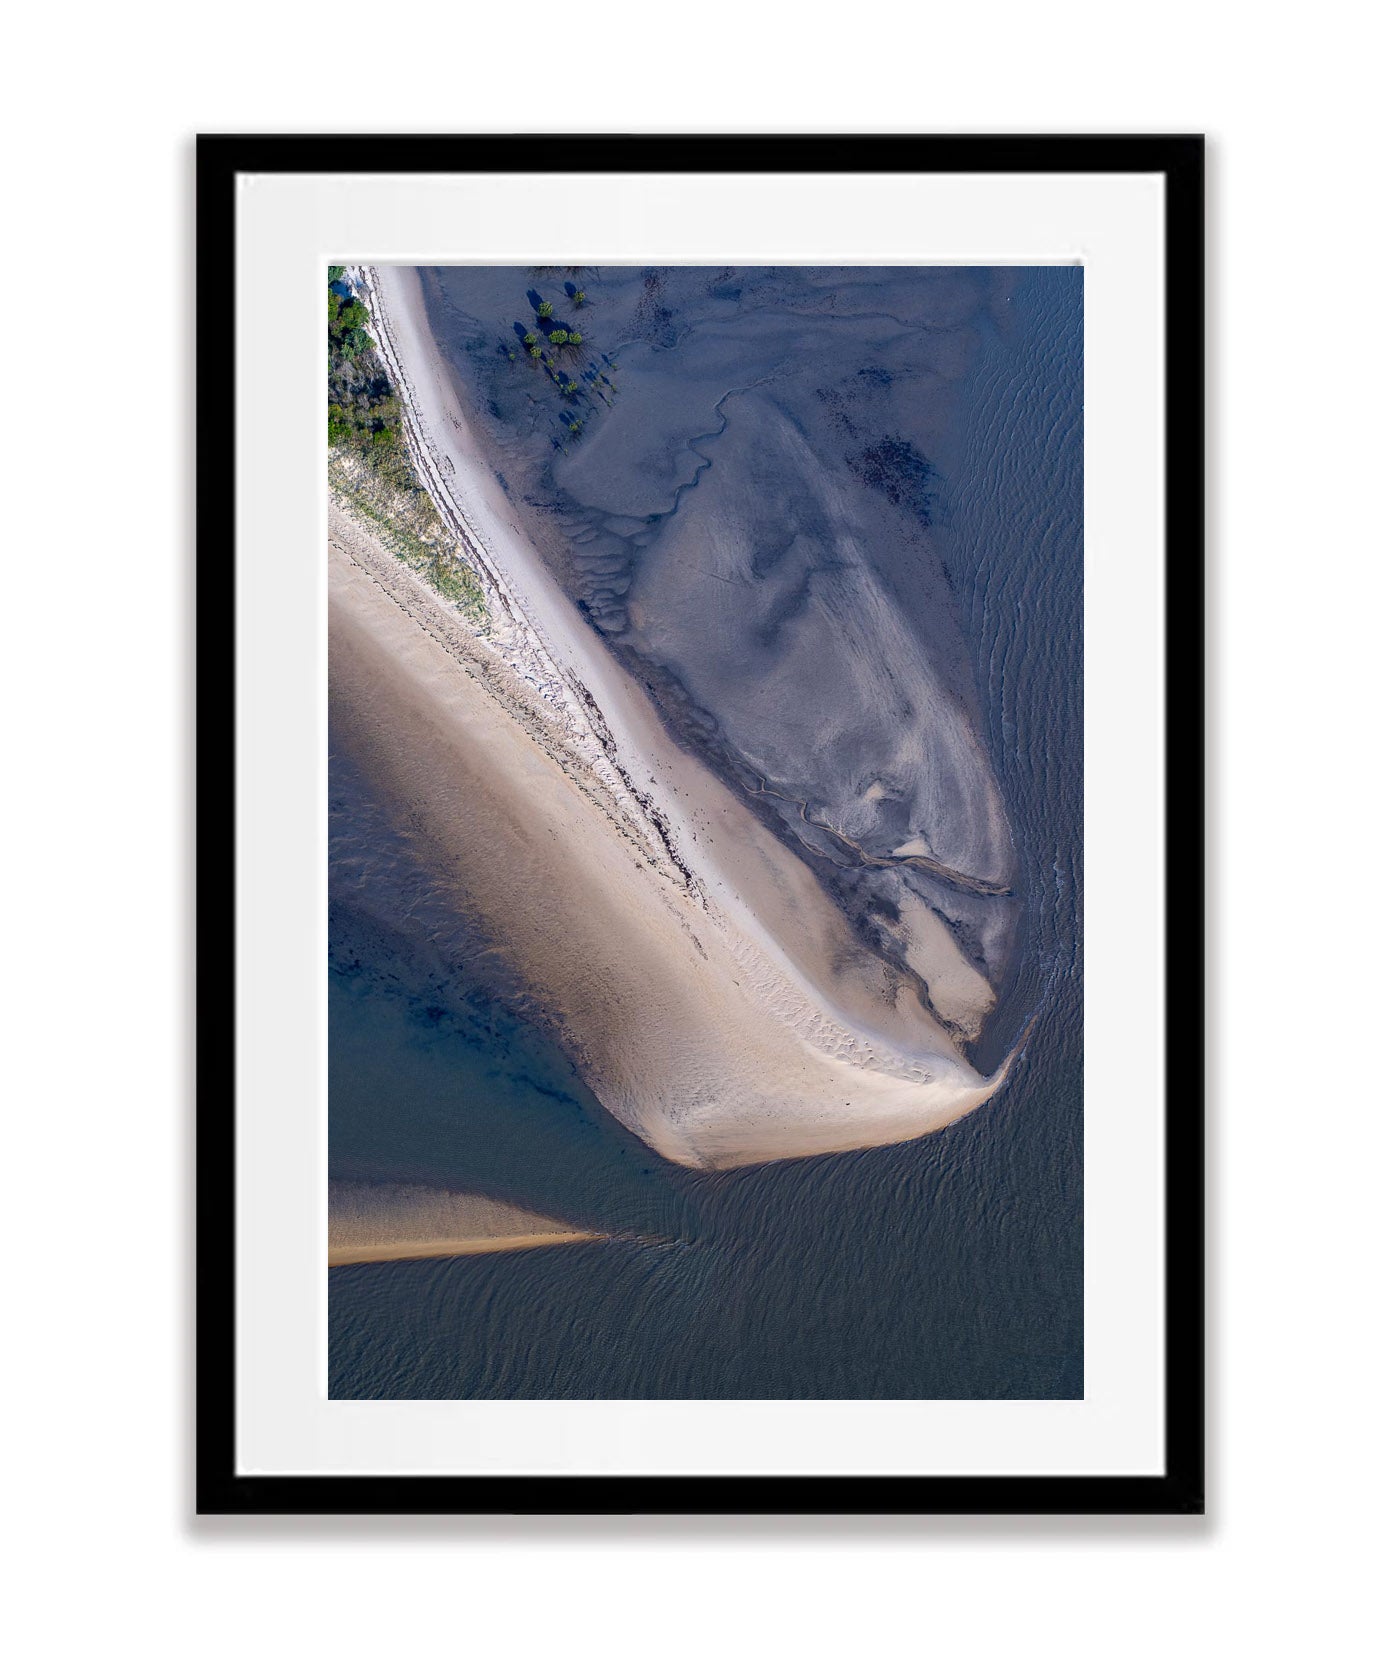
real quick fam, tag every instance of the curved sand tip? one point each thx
(676, 919)
(369, 1222)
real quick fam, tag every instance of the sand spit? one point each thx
(446, 1249)
(369, 1222)
(713, 996)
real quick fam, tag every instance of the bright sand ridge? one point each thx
(412, 1222)
(730, 1020)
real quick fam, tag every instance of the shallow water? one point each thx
(945, 1268)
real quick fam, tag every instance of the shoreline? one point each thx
(777, 1034)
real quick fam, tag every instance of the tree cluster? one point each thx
(361, 408)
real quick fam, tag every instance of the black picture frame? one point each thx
(1179, 161)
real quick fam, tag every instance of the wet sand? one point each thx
(712, 995)
(688, 1033)
(445, 1248)
(369, 1222)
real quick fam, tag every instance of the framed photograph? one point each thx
(700, 824)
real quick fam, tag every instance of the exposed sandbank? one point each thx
(685, 1031)
(713, 996)
(445, 1248)
(368, 1222)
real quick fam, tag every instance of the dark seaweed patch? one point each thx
(901, 473)
(655, 320)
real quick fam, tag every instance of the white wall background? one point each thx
(1287, 1576)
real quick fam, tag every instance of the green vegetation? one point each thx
(560, 337)
(360, 402)
(372, 476)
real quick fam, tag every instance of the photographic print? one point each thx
(712, 690)
(705, 873)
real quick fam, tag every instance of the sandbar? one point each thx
(709, 991)
(371, 1222)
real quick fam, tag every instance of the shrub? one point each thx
(544, 311)
(370, 471)
(558, 336)
(575, 338)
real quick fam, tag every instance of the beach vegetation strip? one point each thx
(371, 475)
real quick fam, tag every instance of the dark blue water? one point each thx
(950, 1267)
